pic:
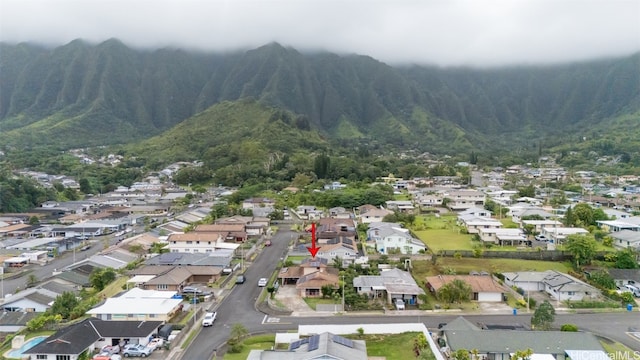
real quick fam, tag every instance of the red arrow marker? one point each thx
(313, 249)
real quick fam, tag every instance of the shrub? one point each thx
(569, 327)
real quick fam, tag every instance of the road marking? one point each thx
(264, 319)
(273, 320)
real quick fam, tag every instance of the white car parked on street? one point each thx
(209, 319)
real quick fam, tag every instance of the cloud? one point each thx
(441, 32)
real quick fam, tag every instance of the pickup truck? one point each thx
(399, 304)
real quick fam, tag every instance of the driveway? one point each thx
(288, 296)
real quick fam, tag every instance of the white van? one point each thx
(633, 289)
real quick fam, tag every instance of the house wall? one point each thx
(134, 317)
(564, 295)
(193, 247)
(26, 304)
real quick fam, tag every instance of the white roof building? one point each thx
(139, 305)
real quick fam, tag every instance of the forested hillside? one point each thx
(112, 94)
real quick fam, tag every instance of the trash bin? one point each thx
(515, 311)
(167, 345)
(629, 307)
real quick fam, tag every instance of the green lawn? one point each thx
(441, 233)
(259, 342)
(312, 302)
(392, 346)
(422, 269)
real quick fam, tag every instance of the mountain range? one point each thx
(82, 95)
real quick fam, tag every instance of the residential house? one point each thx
(539, 225)
(231, 232)
(502, 344)
(391, 238)
(464, 199)
(390, 284)
(257, 202)
(626, 239)
(29, 300)
(342, 248)
(502, 236)
(310, 276)
(402, 206)
(320, 346)
(625, 276)
(630, 223)
(473, 223)
(484, 288)
(200, 242)
(218, 259)
(90, 335)
(476, 211)
(139, 305)
(15, 321)
(173, 278)
(372, 215)
(340, 213)
(558, 235)
(519, 212)
(559, 286)
(335, 185)
(428, 200)
(253, 225)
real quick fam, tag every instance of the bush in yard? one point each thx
(569, 327)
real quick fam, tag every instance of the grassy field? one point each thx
(422, 269)
(441, 233)
(392, 346)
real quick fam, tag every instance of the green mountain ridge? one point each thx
(80, 95)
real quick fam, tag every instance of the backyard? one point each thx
(441, 233)
(391, 346)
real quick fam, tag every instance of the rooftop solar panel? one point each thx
(314, 342)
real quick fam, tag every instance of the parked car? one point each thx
(240, 279)
(399, 304)
(191, 290)
(541, 238)
(632, 289)
(267, 243)
(209, 319)
(136, 350)
(262, 282)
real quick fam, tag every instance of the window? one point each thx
(197, 242)
(162, 287)
(195, 250)
(209, 242)
(209, 250)
(63, 357)
(189, 242)
(174, 242)
(41, 357)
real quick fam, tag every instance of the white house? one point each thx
(464, 199)
(391, 237)
(558, 286)
(30, 300)
(474, 223)
(559, 234)
(626, 239)
(139, 305)
(502, 236)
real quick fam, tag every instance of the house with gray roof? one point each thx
(31, 300)
(624, 239)
(93, 334)
(625, 276)
(320, 346)
(14, 321)
(502, 344)
(558, 286)
(390, 284)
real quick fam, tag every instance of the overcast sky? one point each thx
(443, 32)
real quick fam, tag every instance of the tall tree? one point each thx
(543, 317)
(582, 248)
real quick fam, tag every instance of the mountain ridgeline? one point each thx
(80, 95)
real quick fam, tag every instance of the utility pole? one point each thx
(343, 310)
